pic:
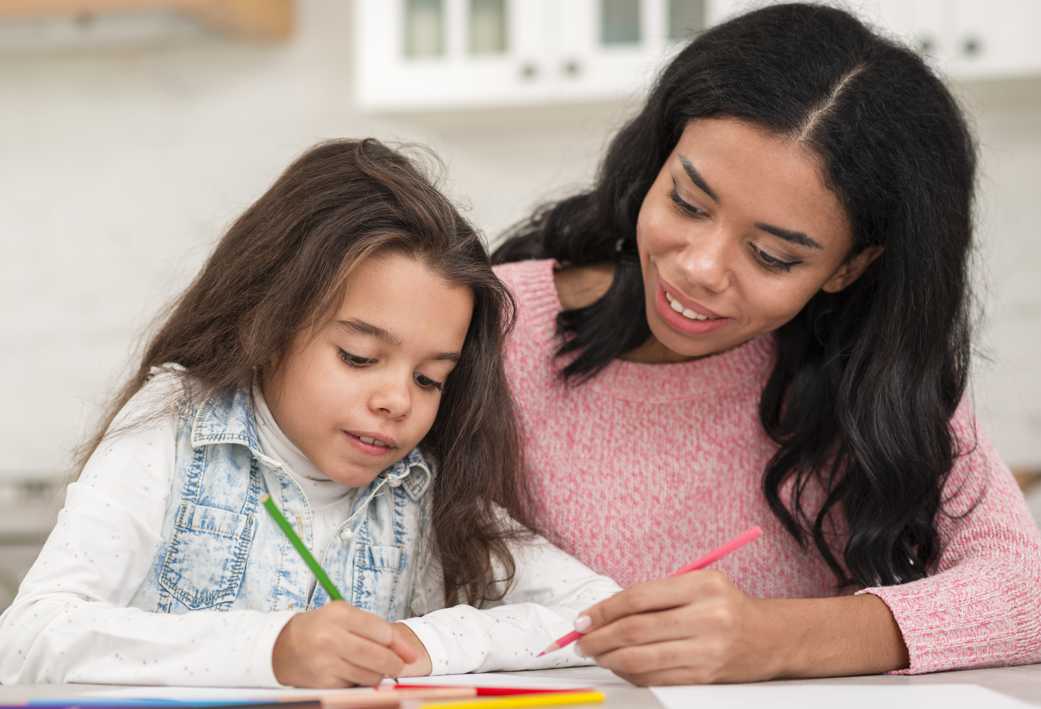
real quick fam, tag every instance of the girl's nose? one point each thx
(391, 399)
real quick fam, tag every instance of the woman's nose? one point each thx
(705, 262)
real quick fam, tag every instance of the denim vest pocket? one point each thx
(206, 560)
(377, 569)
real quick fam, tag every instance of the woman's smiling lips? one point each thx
(684, 315)
(371, 443)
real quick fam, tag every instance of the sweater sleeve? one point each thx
(981, 606)
(548, 591)
(72, 620)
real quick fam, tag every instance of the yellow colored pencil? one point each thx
(550, 699)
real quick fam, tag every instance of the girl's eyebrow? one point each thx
(365, 328)
(794, 237)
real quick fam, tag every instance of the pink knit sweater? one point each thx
(646, 467)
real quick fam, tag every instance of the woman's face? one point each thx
(736, 234)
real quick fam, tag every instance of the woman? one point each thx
(760, 314)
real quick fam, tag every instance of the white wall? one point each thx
(120, 167)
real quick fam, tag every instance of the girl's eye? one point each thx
(428, 383)
(686, 207)
(354, 360)
(773, 263)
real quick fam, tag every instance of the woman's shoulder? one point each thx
(544, 284)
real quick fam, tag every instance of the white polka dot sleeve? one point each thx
(548, 592)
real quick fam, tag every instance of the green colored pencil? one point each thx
(301, 548)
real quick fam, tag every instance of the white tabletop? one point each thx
(997, 688)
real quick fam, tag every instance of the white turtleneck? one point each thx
(330, 501)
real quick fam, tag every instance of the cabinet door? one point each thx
(997, 38)
(429, 54)
(615, 48)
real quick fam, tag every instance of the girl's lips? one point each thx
(367, 448)
(684, 325)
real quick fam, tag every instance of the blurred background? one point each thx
(135, 131)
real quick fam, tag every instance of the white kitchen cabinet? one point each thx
(431, 54)
(443, 54)
(962, 39)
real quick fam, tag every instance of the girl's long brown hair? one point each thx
(282, 268)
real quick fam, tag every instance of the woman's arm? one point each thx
(700, 628)
(980, 606)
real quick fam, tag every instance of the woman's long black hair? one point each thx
(865, 381)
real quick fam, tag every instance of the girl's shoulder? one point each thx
(168, 392)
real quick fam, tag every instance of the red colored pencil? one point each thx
(712, 557)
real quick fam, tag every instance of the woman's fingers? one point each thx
(640, 660)
(639, 629)
(657, 595)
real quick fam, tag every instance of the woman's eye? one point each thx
(428, 383)
(686, 207)
(773, 263)
(354, 360)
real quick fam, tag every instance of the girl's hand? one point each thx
(690, 629)
(421, 666)
(339, 645)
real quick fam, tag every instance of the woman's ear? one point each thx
(852, 270)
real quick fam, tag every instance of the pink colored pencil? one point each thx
(712, 557)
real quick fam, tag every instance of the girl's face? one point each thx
(363, 391)
(736, 234)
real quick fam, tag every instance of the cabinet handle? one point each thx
(529, 70)
(925, 44)
(972, 46)
(571, 68)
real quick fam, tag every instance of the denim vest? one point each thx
(220, 550)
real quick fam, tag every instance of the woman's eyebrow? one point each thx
(697, 179)
(794, 237)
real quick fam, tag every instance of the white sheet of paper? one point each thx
(801, 695)
(570, 678)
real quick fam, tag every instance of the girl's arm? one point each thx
(71, 622)
(980, 606)
(547, 592)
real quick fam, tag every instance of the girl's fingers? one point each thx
(639, 629)
(403, 650)
(366, 625)
(372, 657)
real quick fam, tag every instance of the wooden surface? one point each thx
(250, 19)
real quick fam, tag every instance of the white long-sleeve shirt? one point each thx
(71, 620)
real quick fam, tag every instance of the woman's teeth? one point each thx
(372, 441)
(685, 312)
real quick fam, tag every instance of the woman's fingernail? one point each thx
(582, 623)
(578, 650)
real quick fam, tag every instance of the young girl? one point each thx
(340, 351)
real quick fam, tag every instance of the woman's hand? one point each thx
(339, 645)
(690, 629)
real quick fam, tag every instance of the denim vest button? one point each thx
(346, 534)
